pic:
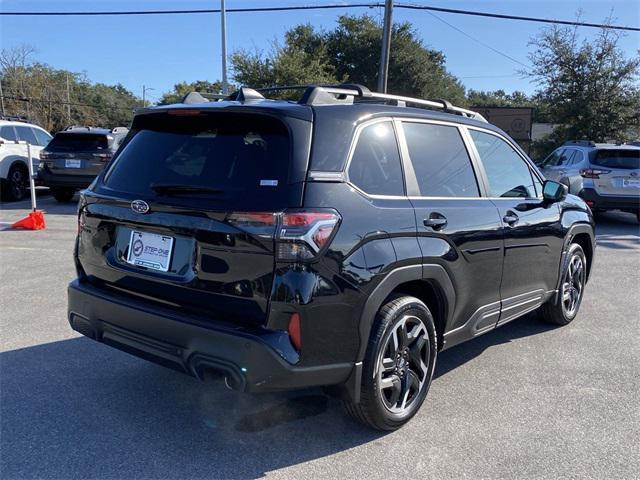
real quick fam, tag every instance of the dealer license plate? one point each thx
(68, 163)
(150, 250)
(631, 182)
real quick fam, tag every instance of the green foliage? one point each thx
(303, 59)
(183, 88)
(350, 52)
(590, 88)
(39, 92)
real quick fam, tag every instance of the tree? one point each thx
(350, 52)
(39, 92)
(183, 88)
(590, 88)
(303, 59)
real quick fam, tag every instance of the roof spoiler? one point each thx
(314, 95)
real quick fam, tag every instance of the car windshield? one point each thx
(625, 159)
(77, 142)
(226, 158)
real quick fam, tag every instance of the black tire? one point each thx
(16, 183)
(63, 194)
(564, 306)
(407, 371)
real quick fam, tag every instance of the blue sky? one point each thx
(159, 51)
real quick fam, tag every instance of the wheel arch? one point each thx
(583, 235)
(429, 282)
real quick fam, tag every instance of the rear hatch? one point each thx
(71, 153)
(618, 171)
(184, 215)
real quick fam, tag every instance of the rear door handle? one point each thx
(435, 221)
(510, 218)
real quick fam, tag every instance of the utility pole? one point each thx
(223, 30)
(1, 97)
(145, 89)
(68, 101)
(386, 46)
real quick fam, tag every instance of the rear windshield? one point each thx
(232, 158)
(626, 159)
(77, 142)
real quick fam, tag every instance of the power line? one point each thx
(486, 45)
(408, 6)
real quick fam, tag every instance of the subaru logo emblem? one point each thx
(139, 206)
(634, 174)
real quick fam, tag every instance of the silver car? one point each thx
(606, 176)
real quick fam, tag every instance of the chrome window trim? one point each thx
(532, 168)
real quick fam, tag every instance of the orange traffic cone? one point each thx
(33, 221)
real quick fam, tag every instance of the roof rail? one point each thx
(347, 93)
(15, 118)
(581, 143)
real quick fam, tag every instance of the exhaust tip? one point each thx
(83, 326)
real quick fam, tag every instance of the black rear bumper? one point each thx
(252, 362)
(610, 202)
(78, 182)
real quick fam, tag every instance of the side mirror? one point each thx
(553, 192)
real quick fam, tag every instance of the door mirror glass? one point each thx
(554, 191)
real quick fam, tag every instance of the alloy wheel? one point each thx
(402, 370)
(573, 285)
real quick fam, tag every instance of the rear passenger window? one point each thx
(8, 133)
(440, 161)
(508, 174)
(26, 134)
(375, 164)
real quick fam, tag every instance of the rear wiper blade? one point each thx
(176, 189)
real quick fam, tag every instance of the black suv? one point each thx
(75, 156)
(342, 240)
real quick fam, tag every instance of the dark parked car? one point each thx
(343, 240)
(75, 156)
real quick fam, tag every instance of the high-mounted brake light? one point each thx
(593, 172)
(184, 112)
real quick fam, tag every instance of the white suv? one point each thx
(14, 172)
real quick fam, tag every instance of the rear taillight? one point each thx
(299, 235)
(593, 172)
(262, 224)
(105, 157)
(302, 235)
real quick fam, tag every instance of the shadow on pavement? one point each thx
(78, 409)
(617, 230)
(45, 202)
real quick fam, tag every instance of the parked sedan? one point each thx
(75, 157)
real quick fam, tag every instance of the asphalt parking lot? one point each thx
(524, 401)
